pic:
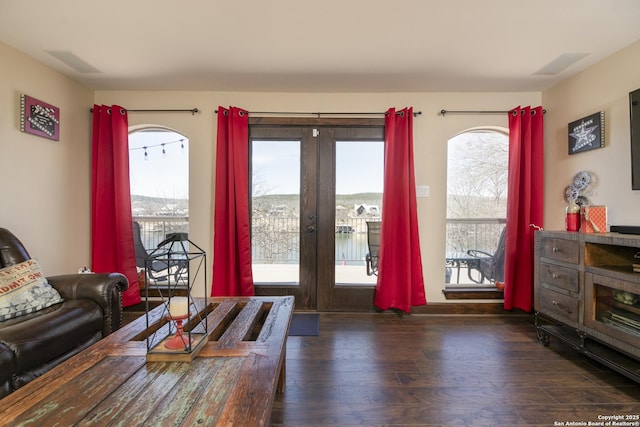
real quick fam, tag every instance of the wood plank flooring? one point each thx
(383, 369)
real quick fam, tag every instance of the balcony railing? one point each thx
(463, 234)
(473, 233)
(276, 239)
(154, 229)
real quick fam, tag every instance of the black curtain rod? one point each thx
(300, 113)
(443, 112)
(193, 111)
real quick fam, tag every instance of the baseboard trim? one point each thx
(462, 308)
(473, 293)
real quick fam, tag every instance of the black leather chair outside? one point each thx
(159, 268)
(373, 242)
(491, 266)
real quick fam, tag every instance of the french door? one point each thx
(314, 186)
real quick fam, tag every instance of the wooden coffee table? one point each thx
(232, 381)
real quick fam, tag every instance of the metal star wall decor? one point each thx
(587, 133)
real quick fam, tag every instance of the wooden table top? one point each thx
(232, 381)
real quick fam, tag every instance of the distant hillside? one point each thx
(154, 206)
(289, 204)
(346, 200)
(350, 200)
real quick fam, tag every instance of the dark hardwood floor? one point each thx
(383, 369)
(438, 370)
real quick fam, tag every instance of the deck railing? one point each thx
(276, 240)
(473, 233)
(154, 229)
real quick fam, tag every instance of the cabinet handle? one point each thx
(555, 276)
(554, 302)
(554, 249)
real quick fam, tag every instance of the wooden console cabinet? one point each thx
(587, 294)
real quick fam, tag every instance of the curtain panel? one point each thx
(232, 274)
(400, 279)
(112, 247)
(525, 203)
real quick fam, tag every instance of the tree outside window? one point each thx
(477, 166)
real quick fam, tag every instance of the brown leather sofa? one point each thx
(32, 344)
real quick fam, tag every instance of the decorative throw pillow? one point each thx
(23, 289)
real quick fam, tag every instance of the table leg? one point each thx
(282, 378)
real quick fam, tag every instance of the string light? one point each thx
(162, 144)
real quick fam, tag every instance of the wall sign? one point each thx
(39, 118)
(587, 133)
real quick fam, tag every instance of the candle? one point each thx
(178, 307)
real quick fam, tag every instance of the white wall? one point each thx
(602, 87)
(431, 133)
(46, 184)
(46, 195)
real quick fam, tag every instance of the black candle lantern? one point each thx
(179, 322)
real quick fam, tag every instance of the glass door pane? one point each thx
(275, 218)
(295, 212)
(359, 181)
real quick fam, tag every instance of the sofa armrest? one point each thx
(103, 288)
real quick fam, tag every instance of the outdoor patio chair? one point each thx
(373, 242)
(490, 266)
(158, 270)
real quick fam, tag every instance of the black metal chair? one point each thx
(490, 266)
(159, 270)
(373, 242)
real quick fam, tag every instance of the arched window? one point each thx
(477, 165)
(159, 178)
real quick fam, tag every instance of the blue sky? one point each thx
(159, 175)
(359, 166)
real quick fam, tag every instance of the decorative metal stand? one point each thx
(179, 326)
(543, 336)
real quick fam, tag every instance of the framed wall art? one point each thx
(39, 118)
(587, 133)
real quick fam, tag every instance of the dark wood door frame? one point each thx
(305, 292)
(318, 290)
(331, 295)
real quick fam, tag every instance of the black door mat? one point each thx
(304, 324)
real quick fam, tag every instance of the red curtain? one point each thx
(525, 203)
(232, 275)
(112, 247)
(400, 281)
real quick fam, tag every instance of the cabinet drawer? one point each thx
(560, 277)
(556, 304)
(561, 250)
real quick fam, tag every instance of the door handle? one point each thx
(311, 229)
